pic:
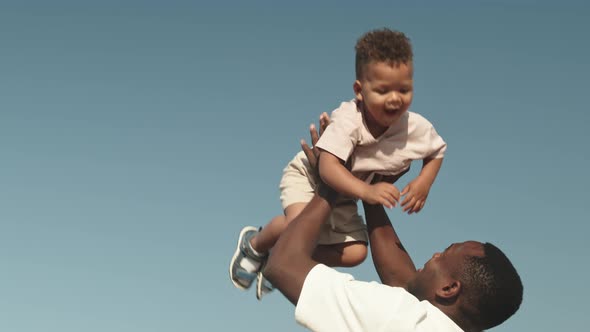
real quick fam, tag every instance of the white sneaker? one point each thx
(241, 276)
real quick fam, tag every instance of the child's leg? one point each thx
(264, 240)
(341, 254)
(268, 236)
(343, 239)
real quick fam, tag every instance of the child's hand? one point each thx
(381, 193)
(415, 194)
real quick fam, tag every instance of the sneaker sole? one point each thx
(231, 263)
(259, 286)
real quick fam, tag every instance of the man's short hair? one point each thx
(493, 287)
(383, 45)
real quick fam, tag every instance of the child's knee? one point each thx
(293, 210)
(354, 254)
(277, 222)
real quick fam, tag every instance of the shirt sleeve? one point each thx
(427, 142)
(334, 301)
(437, 146)
(340, 137)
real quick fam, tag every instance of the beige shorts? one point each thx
(344, 223)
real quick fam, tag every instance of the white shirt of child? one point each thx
(412, 137)
(333, 301)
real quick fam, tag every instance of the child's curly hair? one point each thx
(382, 45)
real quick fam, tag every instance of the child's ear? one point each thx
(358, 88)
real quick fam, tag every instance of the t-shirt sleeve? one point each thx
(427, 142)
(334, 301)
(340, 136)
(437, 146)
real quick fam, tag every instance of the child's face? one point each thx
(386, 93)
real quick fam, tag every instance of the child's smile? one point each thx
(386, 92)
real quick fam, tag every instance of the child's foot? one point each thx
(246, 262)
(263, 286)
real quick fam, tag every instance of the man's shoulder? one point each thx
(438, 319)
(335, 301)
(364, 289)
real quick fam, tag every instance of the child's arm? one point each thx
(417, 190)
(335, 175)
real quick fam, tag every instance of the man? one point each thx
(469, 286)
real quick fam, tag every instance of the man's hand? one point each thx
(382, 193)
(313, 153)
(415, 194)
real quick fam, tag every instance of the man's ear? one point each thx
(449, 290)
(358, 88)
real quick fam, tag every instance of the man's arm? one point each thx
(290, 260)
(392, 262)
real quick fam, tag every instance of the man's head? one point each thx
(474, 283)
(384, 77)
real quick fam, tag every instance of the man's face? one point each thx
(443, 267)
(453, 256)
(386, 92)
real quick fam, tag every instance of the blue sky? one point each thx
(137, 138)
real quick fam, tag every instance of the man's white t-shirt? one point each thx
(335, 302)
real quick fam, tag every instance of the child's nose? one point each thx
(394, 100)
